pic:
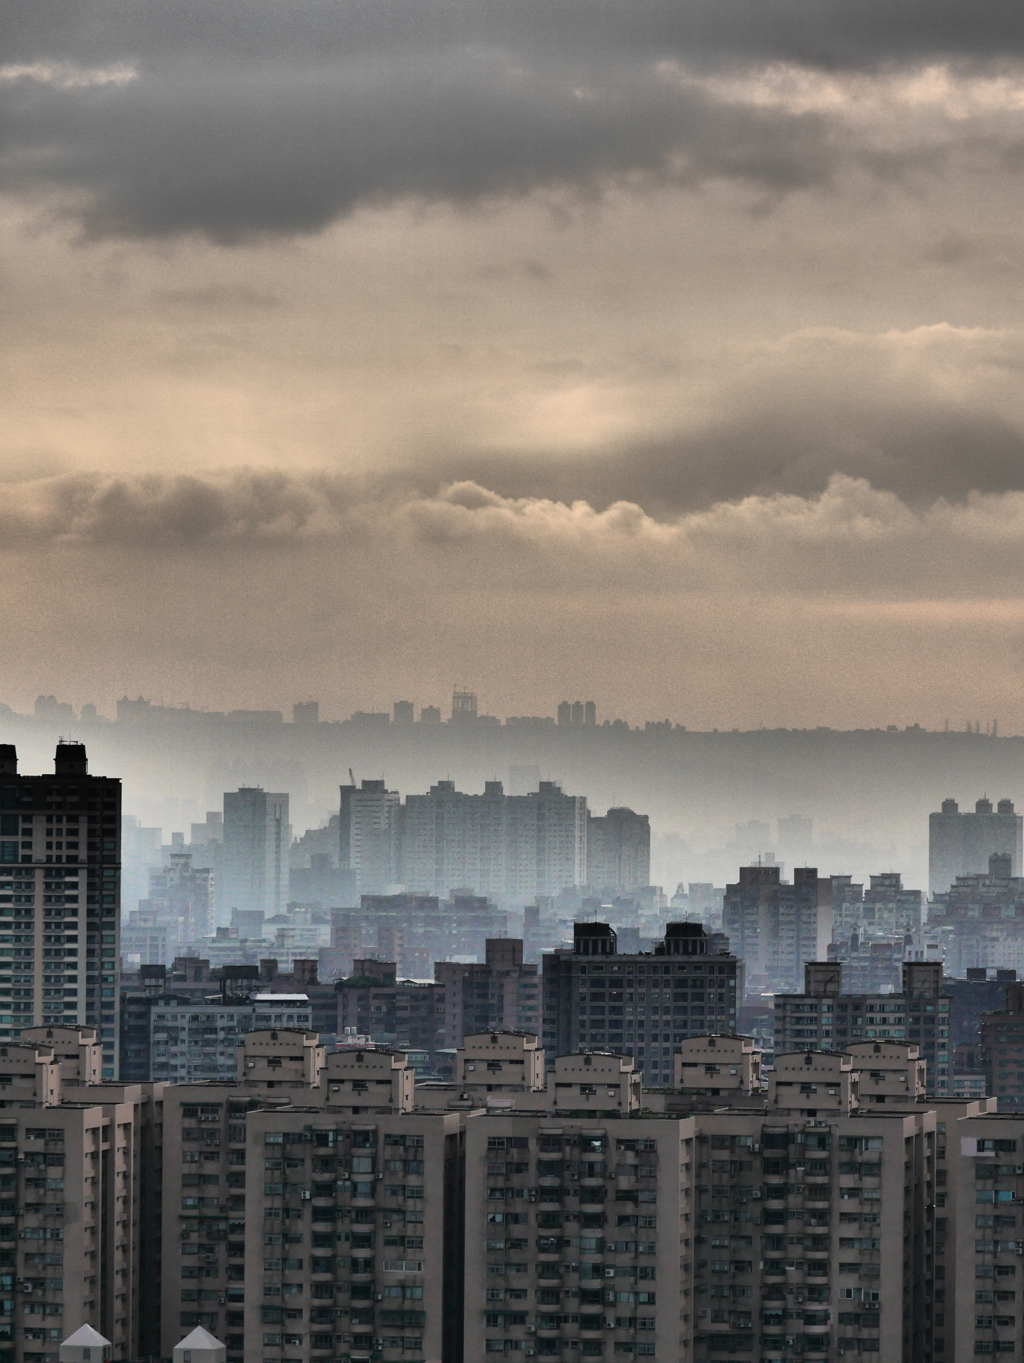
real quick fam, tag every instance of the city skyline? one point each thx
(634, 351)
(512, 681)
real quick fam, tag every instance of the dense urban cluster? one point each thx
(449, 1078)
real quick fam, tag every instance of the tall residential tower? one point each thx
(60, 892)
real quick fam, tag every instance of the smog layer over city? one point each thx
(512, 684)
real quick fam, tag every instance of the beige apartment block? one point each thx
(723, 1067)
(979, 1225)
(313, 1214)
(74, 1158)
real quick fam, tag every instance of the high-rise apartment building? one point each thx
(775, 926)
(577, 714)
(796, 1224)
(981, 919)
(391, 1012)
(885, 907)
(576, 1225)
(508, 847)
(1002, 1050)
(298, 1221)
(871, 965)
(960, 844)
(79, 1190)
(643, 1005)
(257, 838)
(60, 921)
(825, 1018)
(368, 835)
(319, 1207)
(499, 994)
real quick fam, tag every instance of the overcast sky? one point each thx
(668, 354)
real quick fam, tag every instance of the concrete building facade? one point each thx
(642, 1005)
(80, 1173)
(60, 877)
(501, 992)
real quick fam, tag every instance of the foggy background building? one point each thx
(257, 839)
(960, 843)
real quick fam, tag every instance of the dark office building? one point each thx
(983, 991)
(1002, 1051)
(60, 884)
(641, 1005)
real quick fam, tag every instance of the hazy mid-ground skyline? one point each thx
(668, 355)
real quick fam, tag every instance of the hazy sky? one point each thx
(669, 354)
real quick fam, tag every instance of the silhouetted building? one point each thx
(618, 852)
(181, 897)
(577, 714)
(323, 884)
(981, 991)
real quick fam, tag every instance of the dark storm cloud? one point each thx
(240, 150)
(831, 33)
(256, 117)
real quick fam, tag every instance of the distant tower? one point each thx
(565, 714)
(257, 836)
(463, 706)
(590, 715)
(960, 844)
(306, 712)
(403, 712)
(577, 714)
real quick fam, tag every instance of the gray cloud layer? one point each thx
(852, 540)
(255, 117)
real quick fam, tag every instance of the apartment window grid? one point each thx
(596, 1285)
